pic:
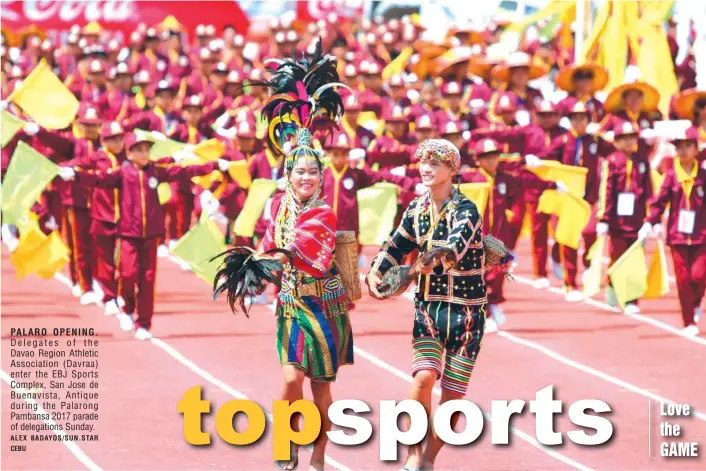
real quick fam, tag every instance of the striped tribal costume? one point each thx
(314, 332)
(450, 303)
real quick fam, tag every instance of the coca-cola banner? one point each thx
(57, 16)
(312, 10)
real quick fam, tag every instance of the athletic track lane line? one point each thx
(174, 353)
(522, 435)
(584, 368)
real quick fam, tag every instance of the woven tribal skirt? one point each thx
(312, 340)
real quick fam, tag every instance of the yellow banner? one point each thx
(260, 191)
(478, 193)
(39, 254)
(377, 208)
(27, 176)
(9, 126)
(46, 99)
(573, 176)
(628, 275)
(198, 246)
(593, 278)
(657, 274)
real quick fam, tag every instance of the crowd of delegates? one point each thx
(191, 89)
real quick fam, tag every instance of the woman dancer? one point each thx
(314, 335)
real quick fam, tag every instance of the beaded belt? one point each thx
(314, 286)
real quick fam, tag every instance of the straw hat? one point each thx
(565, 77)
(452, 57)
(684, 104)
(501, 72)
(650, 95)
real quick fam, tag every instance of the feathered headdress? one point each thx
(304, 102)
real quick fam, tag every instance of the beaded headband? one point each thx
(439, 150)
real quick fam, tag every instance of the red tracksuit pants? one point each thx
(178, 216)
(105, 243)
(77, 235)
(690, 272)
(494, 281)
(138, 267)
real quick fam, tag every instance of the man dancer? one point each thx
(451, 301)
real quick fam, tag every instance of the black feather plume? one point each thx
(245, 272)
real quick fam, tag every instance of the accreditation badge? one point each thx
(348, 183)
(685, 224)
(644, 124)
(626, 204)
(365, 141)
(502, 188)
(700, 191)
(643, 167)
(593, 148)
(152, 182)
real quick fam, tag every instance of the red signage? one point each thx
(56, 17)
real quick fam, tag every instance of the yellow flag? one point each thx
(628, 275)
(38, 254)
(657, 274)
(478, 193)
(260, 191)
(45, 98)
(573, 215)
(52, 257)
(210, 150)
(398, 65)
(27, 176)
(592, 281)
(240, 172)
(377, 207)
(573, 176)
(573, 219)
(9, 126)
(198, 246)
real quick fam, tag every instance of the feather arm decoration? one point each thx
(245, 272)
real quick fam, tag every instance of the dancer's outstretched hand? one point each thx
(373, 281)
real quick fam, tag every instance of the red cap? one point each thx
(506, 102)
(690, 134)
(352, 104)
(451, 88)
(132, 139)
(245, 129)
(424, 121)
(88, 114)
(110, 129)
(576, 107)
(486, 146)
(546, 106)
(449, 128)
(193, 100)
(338, 140)
(624, 128)
(395, 114)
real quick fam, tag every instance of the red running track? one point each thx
(584, 351)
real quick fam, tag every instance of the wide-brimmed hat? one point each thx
(457, 55)
(501, 72)
(597, 73)
(684, 104)
(650, 95)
